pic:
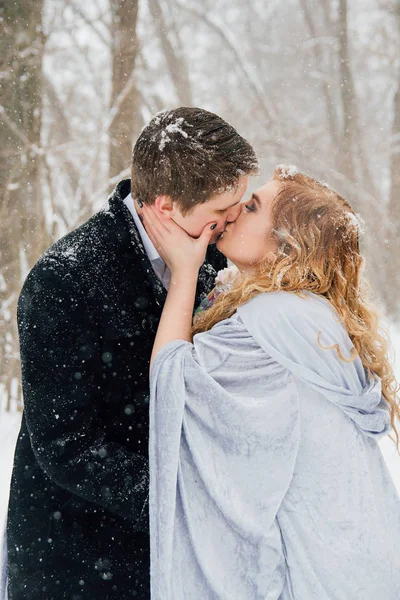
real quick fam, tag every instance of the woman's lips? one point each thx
(221, 235)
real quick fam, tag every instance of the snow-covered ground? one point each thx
(9, 427)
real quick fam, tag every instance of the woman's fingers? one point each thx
(158, 217)
(154, 227)
(154, 230)
(174, 244)
(153, 218)
(206, 235)
(162, 223)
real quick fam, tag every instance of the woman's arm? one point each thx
(176, 318)
(184, 256)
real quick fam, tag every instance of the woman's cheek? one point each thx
(257, 248)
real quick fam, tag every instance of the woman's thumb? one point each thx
(207, 233)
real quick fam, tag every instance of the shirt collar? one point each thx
(147, 243)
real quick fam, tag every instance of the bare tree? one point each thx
(174, 53)
(348, 97)
(323, 66)
(124, 49)
(22, 219)
(393, 264)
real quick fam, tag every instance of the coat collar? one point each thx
(120, 211)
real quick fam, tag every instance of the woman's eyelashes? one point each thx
(250, 207)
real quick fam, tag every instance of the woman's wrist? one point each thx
(184, 277)
(176, 318)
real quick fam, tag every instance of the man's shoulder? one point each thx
(88, 252)
(79, 245)
(106, 229)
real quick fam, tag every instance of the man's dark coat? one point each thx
(78, 526)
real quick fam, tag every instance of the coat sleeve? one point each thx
(221, 463)
(61, 381)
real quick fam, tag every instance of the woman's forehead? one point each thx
(268, 191)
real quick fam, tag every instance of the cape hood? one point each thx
(302, 334)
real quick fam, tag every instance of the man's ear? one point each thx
(165, 205)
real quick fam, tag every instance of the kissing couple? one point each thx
(198, 432)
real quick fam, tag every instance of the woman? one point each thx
(266, 478)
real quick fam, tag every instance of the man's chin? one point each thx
(215, 239)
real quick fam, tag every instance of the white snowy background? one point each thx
(276, 70)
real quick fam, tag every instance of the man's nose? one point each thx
(233, 213)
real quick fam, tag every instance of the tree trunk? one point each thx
(393, 262)
(349, 113)
(127, 122)
(317, 28)
(22, 220)
(173, 54)
(354, 165)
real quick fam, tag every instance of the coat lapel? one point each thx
(121, 211)
(118, 208)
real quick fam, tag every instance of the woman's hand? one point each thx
(184, 256)
(179, 251)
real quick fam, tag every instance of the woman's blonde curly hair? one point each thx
(318, 251)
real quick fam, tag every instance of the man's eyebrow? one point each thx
(257, 199)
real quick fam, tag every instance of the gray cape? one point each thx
(266, 478)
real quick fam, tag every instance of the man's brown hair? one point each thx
(189, 154)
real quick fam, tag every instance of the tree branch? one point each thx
(269, 111)
(18, 133)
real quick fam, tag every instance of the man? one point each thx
(78, 523)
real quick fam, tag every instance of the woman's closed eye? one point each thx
(250, 207)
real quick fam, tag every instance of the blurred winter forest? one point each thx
(310, 82)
